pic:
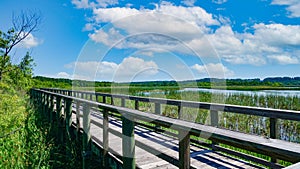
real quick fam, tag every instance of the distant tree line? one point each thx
(40, 81)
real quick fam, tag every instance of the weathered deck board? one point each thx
(200, 157)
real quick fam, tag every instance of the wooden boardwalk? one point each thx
(161, 145)
(134, 145)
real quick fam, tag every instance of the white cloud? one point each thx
(152, 20)
(64, 75)
(166, 27)
(293, 6)
(29, 42)
(84, 4)
(133, 66)
(88, 27)
(188, 2)
(284, 59)
(125, 71)
(113, 14)
(106, 3)
(213, 70)
(108, 38)
(219, 1)
(256, 60)
(278, 34)
(81, 3)
(254, 48)
(177, 28)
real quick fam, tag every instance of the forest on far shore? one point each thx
(239, 84)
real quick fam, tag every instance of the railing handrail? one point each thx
(248, 110)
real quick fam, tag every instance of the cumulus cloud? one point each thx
(219, 1)
(184, 29)
(278, 34)
(188, 2)
(151, 20)
(84, 4)
(293, 7)
(108, 38)
(213, 70)
(167, 26)
(106, 3)
(29, 42)
(254, 48)
(124, 71)
(284, 59)
(64, 75)
(81, 3)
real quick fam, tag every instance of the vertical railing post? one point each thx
(184, 149)
(77, 120)
(128, 142)
(103, 99)
(158, 112)
(105, 139)
(179, 112)
(47, 107)
(97, 98)
(214, 118)
(43, 104)
(136, 105)
(91, 96)
(273, 133)
(123, 104)
(51, 108)
(58, 119)
(41, 101)
(86, 136)
(112, 100)
(214, 121)
(68, 115)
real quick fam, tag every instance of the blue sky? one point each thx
(118, 40)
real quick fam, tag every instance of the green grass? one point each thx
(27, 140)
(24, 144)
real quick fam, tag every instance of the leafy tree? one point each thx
(23, 25)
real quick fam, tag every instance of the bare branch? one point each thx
(23, 24)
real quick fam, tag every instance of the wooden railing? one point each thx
(272, 147)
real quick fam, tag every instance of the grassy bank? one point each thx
(27, 140)
(24, 138)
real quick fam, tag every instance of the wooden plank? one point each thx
(294, 166)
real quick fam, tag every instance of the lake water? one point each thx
(285, 93)
(258, 93)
